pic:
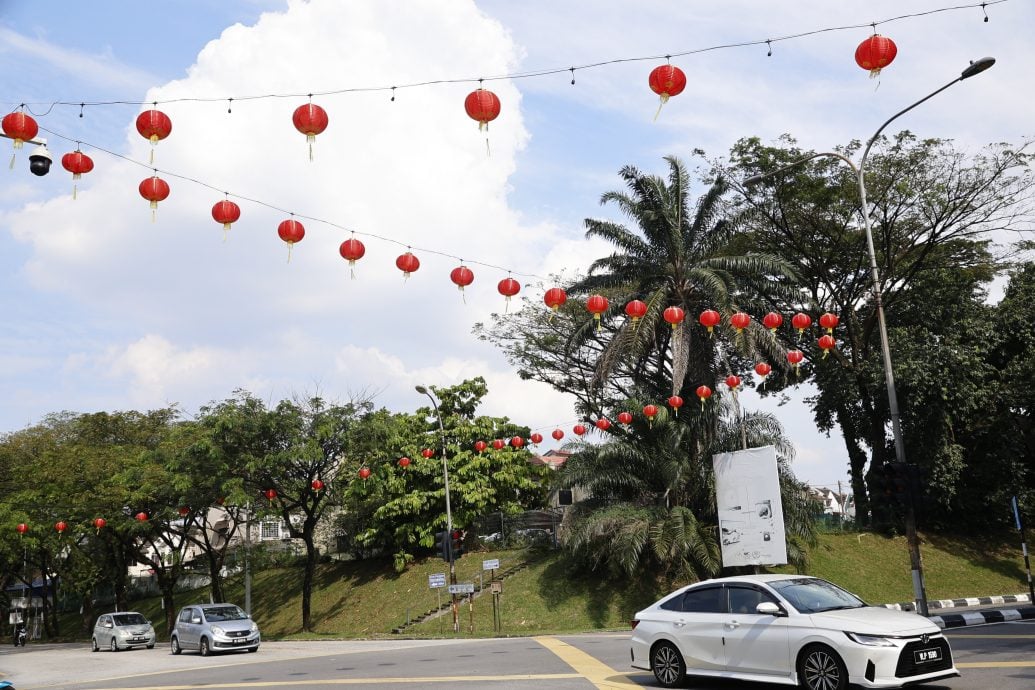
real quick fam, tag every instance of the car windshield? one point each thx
(214, 614)
(812, 595)
(129, 619)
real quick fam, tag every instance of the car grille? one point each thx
(907, 665)
(237, 633)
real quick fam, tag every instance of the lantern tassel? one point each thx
(74, 191)
(506, 308)
(290, 244)
(11, 166)
(151, 160)
(226, 228)
(311, 138)
(664, 100)
(352, 270)
(488, 152)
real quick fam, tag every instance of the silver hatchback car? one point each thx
(122, 630)
(212, 628)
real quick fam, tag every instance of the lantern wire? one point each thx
(534, 73)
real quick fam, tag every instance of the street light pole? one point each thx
(916, 562)
(449, 512)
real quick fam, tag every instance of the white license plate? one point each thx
(240, 640)
(923, 656)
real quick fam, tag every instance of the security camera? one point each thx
(40, 160)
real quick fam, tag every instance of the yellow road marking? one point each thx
(592, 669)
(996, 664)
(359, 681)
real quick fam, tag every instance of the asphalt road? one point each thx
(998, 656)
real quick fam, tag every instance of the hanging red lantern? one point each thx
(226, 212)
(462, 276)
(517, 442)
(829, 321)
(270, 494)
(184, 511)
(508, 287)
(875, 53)
(77, 163)
(221, 500)
(291, 231)
(675, 402)
(310, 120)
(317, 485)
(557, 434)
(498, 444)
(772, 321)
(703, 392)
(154, 189)
(675, 316)
(636, 310)
(733, 381)
(60, 526)
(141, 517)
(407, 263)
(795, 357)
(480, 446)
(555, 297)
(603, 423)
(801, 321)
(352, 250)
(740, 321)
(666, 81)
(625, 418)
(596, 305)
(763, 369)
(21, 528)
(536, 438)
(364, 473)
(482, 106)
(19, 127)
(427, 453)
(709, 318)
(154, 125)
(579, 429)
(404, 462)
(99, 523)
(650, 412)
(827, 343)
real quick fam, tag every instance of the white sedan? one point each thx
(786, 629)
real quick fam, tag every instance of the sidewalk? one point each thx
(980, 617)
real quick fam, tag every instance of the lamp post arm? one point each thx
(755, 179)
(866, 152)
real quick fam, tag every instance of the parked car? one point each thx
(786, 629)
(212, 628)
(122, 630)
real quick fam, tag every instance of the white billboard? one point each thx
(747, 493)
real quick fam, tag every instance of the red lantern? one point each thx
(675, 402)
(20, 127)
(603, 423)
(517, 442)
(364, 473)
(596, 305)
(270, 494)
(141, 517)
(579, 429)
(740, 321)
(555, 298)
(462, 276)
(508, 287)
(650, 412)
(407, 263)
(60, 526)
(733, 381)
(795, 357)
(772, 321)
(427, 453)
(557, 434)
(310, 120)
(482, 106)
(875, 53)
(99, 523)
(827, 343)
(226, 212)
(480, 446)
(184, 511)
(498, 444)
(404, 462)
(709, 318)
(636, 310)
(666, 81)
(154, 125)
(291, 231)
(703, 392)
(801, 321)
(77, 163)
(22, 528)
(675, 316)
(625, 418)
(763, 369)
(317, 485)
(154, 189)
(352, 250)
(829, 321)
(537, 438)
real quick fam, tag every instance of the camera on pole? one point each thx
(40, 160)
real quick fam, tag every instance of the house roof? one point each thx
(551, 458)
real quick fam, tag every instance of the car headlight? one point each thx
(122, 633)
(217, 630)
(255, 628)
(871, 640)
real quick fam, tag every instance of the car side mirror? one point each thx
(768, 608)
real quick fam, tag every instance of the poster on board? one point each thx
(747, 494)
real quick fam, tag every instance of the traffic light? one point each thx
(443, 544)
(457, 543)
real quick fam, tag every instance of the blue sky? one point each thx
(104, 309)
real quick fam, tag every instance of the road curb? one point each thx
(959, 620)
(956, 603)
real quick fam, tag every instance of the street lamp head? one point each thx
(977, 66)
(422, 390)
(752, 181)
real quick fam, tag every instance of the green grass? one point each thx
(368, 599)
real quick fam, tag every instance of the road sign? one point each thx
(496, 587)
(437, 580)
(462, 588)
(491, 564)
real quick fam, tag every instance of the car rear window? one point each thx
(214, 614)
(129, 619)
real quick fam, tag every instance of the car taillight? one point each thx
(634, 622)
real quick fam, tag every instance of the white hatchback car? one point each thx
(122, 630)
(786, 629)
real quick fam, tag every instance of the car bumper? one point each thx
(126, 642)
(893, 667)
(222, 643)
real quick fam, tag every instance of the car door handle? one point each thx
(679, 624)
(732, 624)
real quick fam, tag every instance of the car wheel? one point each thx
(253, 649)
(114, 645)
(93, 645)
(174, 645)
(668, 665)
(150, 646)
(203, 647)
(820, 668)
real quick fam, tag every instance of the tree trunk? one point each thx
(167, 585)
(87, 614)
(856, 462)
(307, 580)
(216, 582)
